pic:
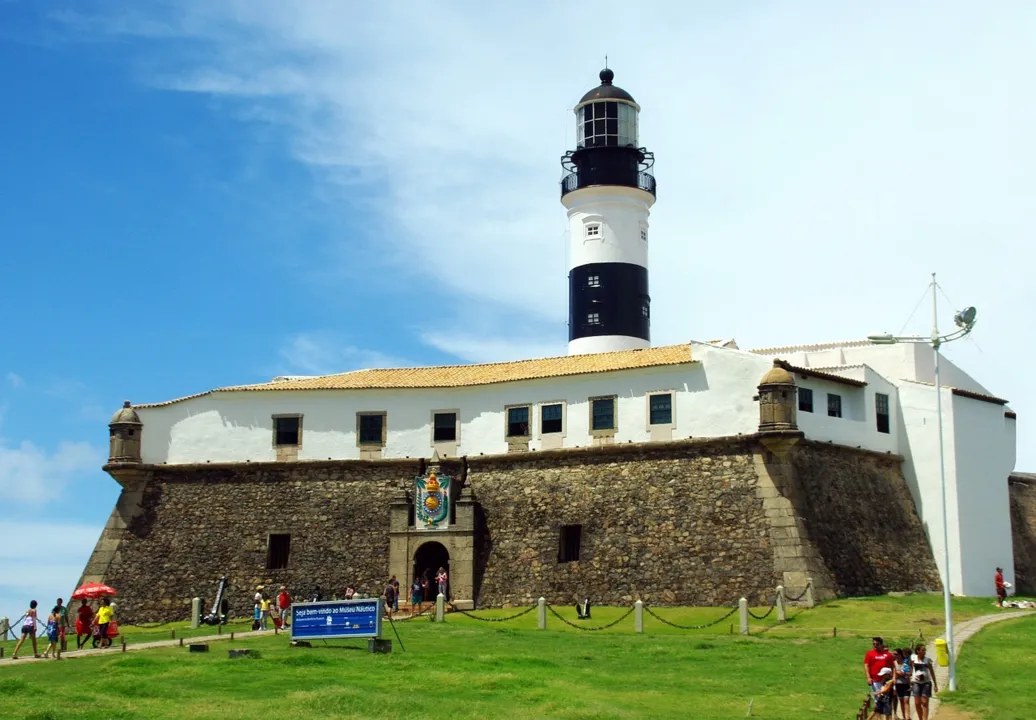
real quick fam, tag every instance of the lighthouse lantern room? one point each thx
(608, 190)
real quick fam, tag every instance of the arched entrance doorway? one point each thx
(428, 558)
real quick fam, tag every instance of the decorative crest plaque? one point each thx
(432, 501)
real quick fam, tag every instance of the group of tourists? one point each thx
(420, 591)
(89, 624)
(265, 610)
(895, 676)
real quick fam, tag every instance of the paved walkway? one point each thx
(26, 652)
(961, 632)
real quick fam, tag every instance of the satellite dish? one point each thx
(965, 318)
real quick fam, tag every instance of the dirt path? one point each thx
(26, 656)
(961, 633)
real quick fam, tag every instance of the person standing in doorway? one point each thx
(395, 593)
(416, 595)
(426, 584)
(440, 579)
(29, 625)
(1001, 588)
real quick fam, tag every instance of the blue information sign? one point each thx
(333, 619)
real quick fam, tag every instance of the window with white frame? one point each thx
(593, 318)
(643, 234)
(592, 230)
(593, 281)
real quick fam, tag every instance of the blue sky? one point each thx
(197, 194)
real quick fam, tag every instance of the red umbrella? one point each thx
(92, 591)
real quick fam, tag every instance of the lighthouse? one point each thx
(608, 190)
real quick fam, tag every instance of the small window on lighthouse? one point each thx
(593, 230)
(593, 281)
(643, 234)
(593, 318)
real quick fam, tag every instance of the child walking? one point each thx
(54, 633)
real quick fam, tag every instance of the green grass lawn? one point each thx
(995, 672)
(469, 669)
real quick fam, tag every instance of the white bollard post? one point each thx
(195, 613)
(810, 601)
(742, 605)
(541, 614)
(782, 616)
(638, 616)
(440, 607)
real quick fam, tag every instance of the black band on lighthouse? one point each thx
(609, 299)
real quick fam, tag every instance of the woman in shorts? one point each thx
(922, 681)
(28, 631)
(902, 687)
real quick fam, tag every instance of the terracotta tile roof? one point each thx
(470, 375)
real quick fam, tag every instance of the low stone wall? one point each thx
(672, 524)
(862, 519)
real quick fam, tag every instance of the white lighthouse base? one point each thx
(605, 343)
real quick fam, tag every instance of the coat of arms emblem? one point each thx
(433, 501)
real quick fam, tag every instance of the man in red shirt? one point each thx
(1001, 589)
(284, 605)
(877, 658)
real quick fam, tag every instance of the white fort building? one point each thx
(615, 388)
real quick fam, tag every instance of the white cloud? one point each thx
(14, 380)
(485, 349)
(815, 161)
(59, 552)
(323, 354)
(32, 476)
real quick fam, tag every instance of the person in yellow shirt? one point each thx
(264, 606)
(104, 617)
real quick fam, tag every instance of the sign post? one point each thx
(339, 620)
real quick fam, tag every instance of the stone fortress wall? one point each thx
(698, 522)
(1022, 492)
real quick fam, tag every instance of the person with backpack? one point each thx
(28, 631)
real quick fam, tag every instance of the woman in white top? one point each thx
(922, 681)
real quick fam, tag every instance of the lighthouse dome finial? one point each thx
(607, 76)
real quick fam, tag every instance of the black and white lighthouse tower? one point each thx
(608, 192)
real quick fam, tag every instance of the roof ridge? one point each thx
(810, 346)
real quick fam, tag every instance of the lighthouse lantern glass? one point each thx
(606, 124)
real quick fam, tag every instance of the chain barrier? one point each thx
(526, 611)
(765, 614)
(789, 598)
(580, 627)
(670, 623)
(11, 628)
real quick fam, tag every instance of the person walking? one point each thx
(390, 599)
(84, 624)
(902, 687)
(416, 595)
(63, 626)
(29, 625)
(876, 659)
(104, 618)
(883, 701)
(54, 633)
(922, 681)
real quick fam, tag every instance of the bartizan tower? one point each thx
(608, 191)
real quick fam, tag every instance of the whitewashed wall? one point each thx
(622, 213)
(983, 457)
(858, 424)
